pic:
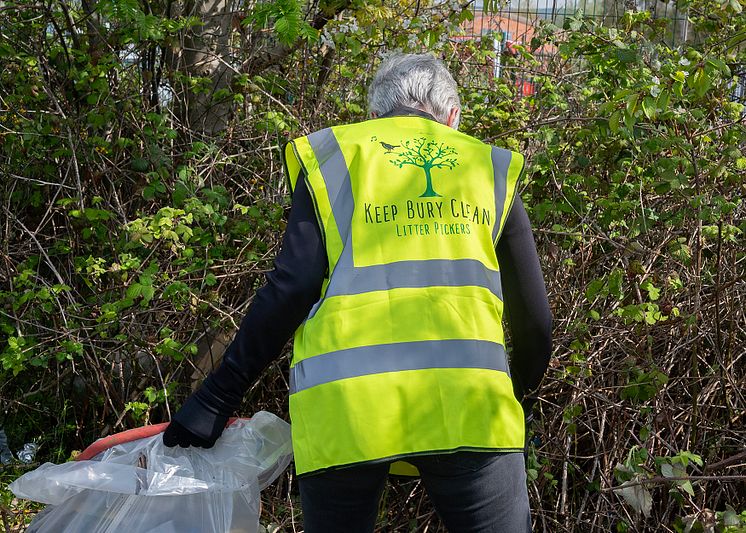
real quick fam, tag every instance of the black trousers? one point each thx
(473, 492)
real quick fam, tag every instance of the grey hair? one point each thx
(414, 80)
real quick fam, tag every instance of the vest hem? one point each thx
(405, 456)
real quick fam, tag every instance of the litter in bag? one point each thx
(143, 486)
(6, 456)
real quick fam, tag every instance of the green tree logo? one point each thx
(426, 154)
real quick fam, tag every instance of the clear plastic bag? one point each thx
(143, 486)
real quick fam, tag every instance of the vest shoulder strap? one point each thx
(299, 157)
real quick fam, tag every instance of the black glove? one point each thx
(176, 434)
(201, 427)
(202, 418)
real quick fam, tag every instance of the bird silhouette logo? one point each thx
(388, 147)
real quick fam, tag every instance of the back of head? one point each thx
(413, 80)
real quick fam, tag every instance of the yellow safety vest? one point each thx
(403, 354)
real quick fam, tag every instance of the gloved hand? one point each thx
(178, 435)
(202, 432)
(202, 418)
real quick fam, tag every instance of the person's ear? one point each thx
(452, 120)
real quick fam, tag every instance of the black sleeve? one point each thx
(528, 315)
(279, 307)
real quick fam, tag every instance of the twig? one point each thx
(733, 459)
(41, 182)
(5, 512)
(662, 479)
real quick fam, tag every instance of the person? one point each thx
(406, 240)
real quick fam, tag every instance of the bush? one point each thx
(136, 234)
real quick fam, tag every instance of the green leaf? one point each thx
(632, 103)
(594, 287)
(649, 107)
(140, 164)
(679, 75)
(662, 101)
(653, 292)
(626, 55)
(134, 290)
(614, 121)
(720, 65)
(147, 294)
(662, 187)
(678, 89)
(284, 29)
(615, 283)
(629, 120)
(180, 193)
(687, 486)
(6, 50)
(96, 120)
(150, 394)
(699, 81)
(693, 457)
(730, 517)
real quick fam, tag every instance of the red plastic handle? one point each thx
(101, 445)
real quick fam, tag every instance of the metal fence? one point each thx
(739, 92)
(517, 19)
(516, 23)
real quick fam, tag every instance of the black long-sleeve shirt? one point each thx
(294, 286)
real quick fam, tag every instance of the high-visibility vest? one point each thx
(403, 354)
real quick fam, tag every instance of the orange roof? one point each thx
(517, 29)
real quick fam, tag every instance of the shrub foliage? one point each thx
(142, 200)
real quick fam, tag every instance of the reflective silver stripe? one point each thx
(415, 274)
(500, 164)
(367, 360)
(336, 176)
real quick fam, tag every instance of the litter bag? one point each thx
(143, 486)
